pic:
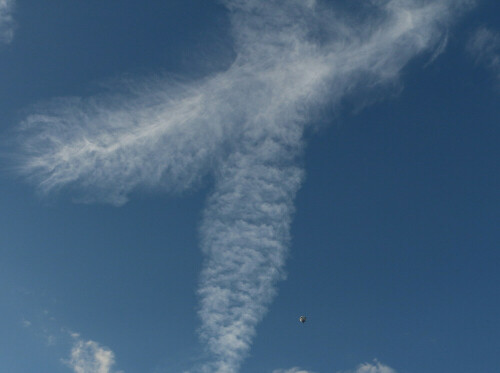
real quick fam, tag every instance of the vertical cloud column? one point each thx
(245, 232)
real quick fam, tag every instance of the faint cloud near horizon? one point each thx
(292, 370)
(484, 47)
(375, 367)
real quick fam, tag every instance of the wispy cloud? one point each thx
(292, 370)
(86, 356)
(484, 46)
(90, 357)
(25, 323)
(6, 21)
(440, 48)
(375, 367)
(245, 127)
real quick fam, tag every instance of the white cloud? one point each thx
(6, 21)
(484, 46)
(244, 126)
(90, 357)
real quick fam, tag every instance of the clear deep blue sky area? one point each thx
(181, 180)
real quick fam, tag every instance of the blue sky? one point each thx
(181, 181)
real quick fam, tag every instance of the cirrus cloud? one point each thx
(244, 127)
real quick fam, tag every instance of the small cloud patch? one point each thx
(25, 323)
(90, 357)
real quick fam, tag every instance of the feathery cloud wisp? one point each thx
(484, 46)
(244, 126)
(6, 21)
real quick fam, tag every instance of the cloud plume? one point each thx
(244, 126)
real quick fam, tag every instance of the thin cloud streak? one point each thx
(484, 46)
(6, 21)
(243, 126)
